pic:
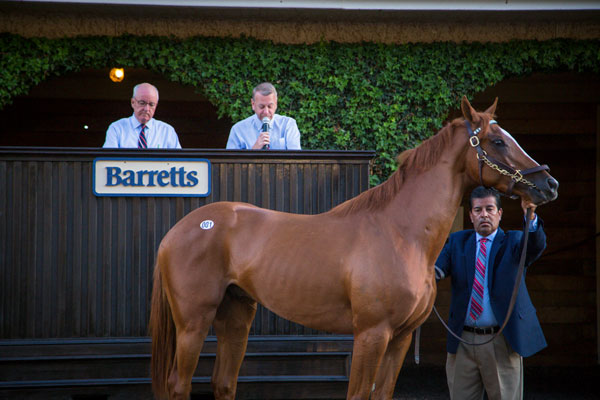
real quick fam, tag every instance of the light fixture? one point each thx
(117, 74)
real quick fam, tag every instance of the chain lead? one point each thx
(517, 176)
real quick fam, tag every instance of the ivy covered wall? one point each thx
(344, 96)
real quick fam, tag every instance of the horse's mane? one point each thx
(419, 159)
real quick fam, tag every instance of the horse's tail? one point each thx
(162, 330)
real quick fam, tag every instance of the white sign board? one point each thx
(151, 177)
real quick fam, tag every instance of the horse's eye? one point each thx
(499, 142)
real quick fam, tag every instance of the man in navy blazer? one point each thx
(497, 367)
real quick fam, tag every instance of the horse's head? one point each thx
(496, 160)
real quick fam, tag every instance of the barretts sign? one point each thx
(151, 177)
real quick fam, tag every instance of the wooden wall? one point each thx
(76, 269)
(77, 265)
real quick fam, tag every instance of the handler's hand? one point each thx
(525, 204)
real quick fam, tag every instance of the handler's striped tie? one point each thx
(477, 294)
(142, 144)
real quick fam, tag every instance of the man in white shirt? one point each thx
(282, 133)
(141, 130)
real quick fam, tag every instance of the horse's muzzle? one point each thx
(548, 191)
(553, 187)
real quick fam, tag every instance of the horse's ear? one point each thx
(468, 112)
(492, 108)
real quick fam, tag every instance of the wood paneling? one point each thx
(309, 366)
(77, 265)
(76, 269)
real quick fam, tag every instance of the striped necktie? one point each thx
(142, 144)
(478, 282)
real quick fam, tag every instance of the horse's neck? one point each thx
(433, 202)
(427, 202)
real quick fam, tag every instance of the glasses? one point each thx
(143, 103)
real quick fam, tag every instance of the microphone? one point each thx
(265, 128)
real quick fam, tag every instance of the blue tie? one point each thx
(478, 282)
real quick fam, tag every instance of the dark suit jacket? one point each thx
(457, 260)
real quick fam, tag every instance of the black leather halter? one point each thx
(515, 175)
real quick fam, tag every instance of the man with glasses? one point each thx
(483, 264)
(141, 130)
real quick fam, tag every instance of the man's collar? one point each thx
(490, 237)
(259, 121)
(136, 123)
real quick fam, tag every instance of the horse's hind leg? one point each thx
(232, 325)
(190, 340)
(385, 380)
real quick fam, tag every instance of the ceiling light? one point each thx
(117, 74)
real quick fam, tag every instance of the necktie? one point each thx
(478, 282)
(142, 144)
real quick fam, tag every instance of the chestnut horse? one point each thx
(365, 267)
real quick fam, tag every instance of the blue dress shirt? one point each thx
(125, 132)
(487, 317)
(284, 133)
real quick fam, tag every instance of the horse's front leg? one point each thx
(369, 347)
(385, 381)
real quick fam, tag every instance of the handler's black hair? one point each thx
(481, 192)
